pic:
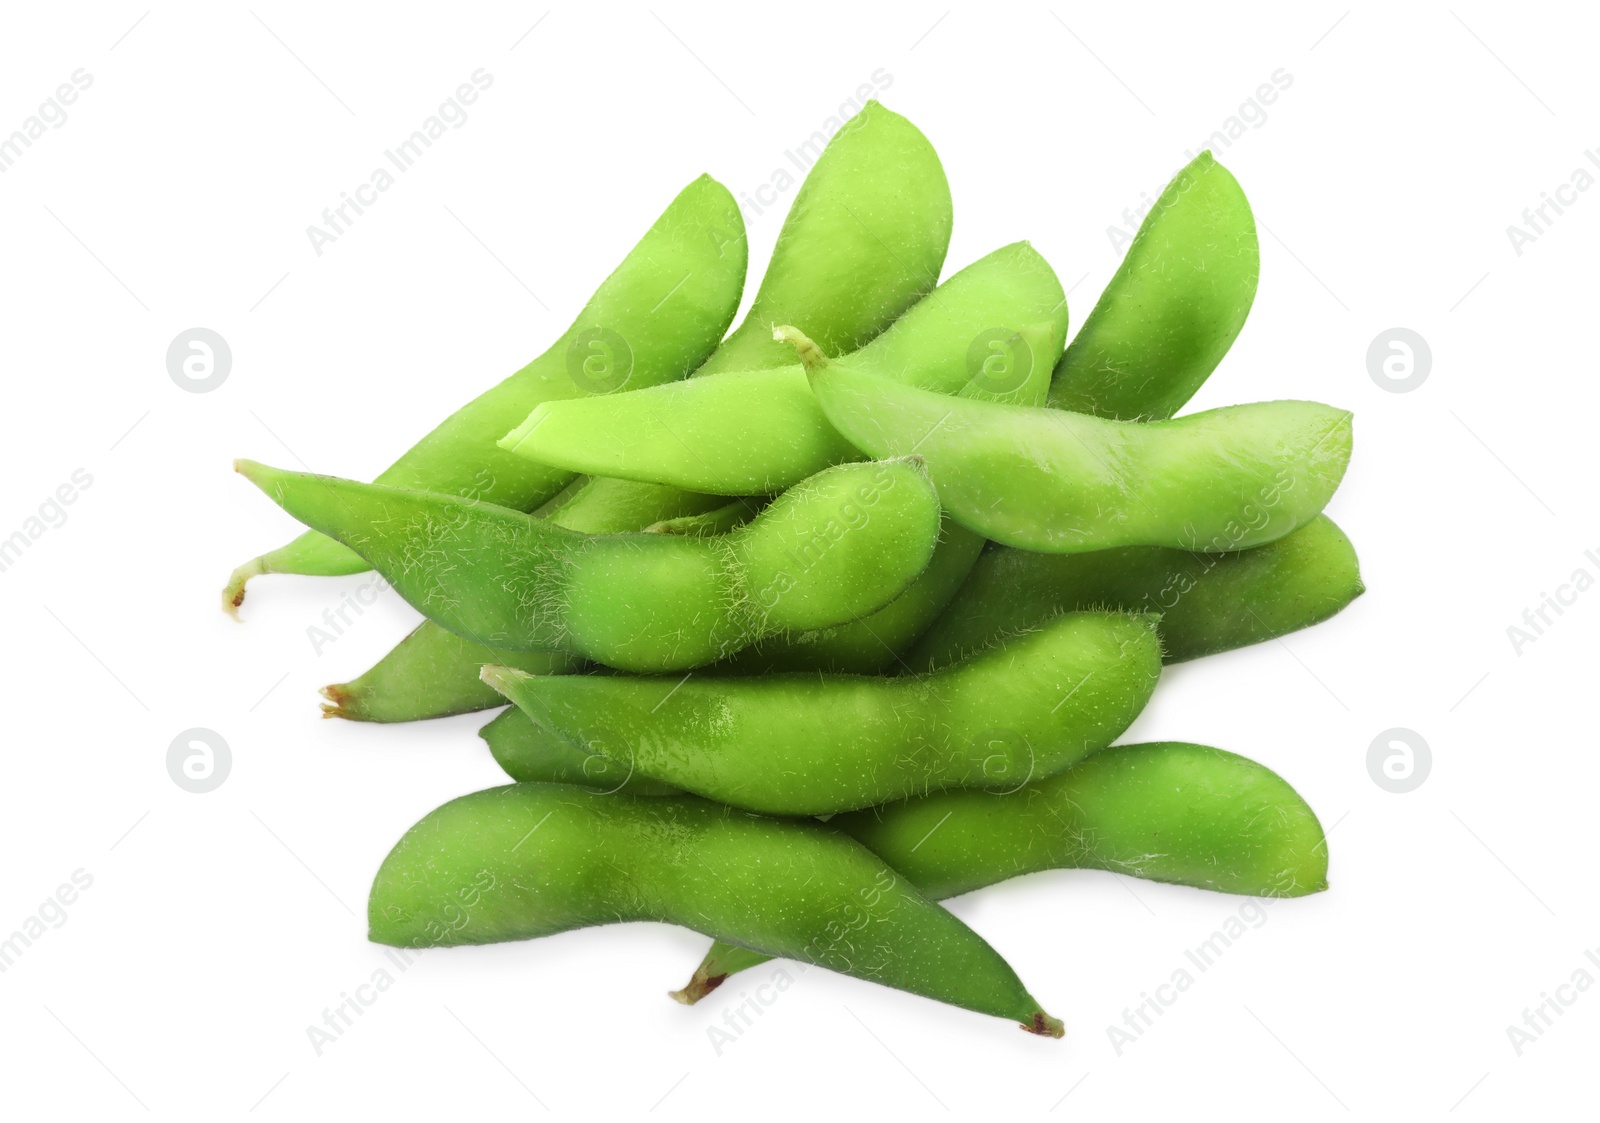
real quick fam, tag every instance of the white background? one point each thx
(219, 926)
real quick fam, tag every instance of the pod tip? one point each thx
(512, 440)
(500, 677)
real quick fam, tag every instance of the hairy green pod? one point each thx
(1174, 307)
(819, 744)
(839, 546)
(530, 860)
(1058, 482)
(864, 239)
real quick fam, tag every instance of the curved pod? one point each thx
(529, 860)
(839, 546)
(1058, 482)
(821, 744)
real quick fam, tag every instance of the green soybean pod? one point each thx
(434, 672)
(530, 860)
(1174, 306)
(655, 318)
(1057, 482)
(1167, 811)
(808, 744)
(864, 239)
(531, 755)
(994, 330)
(1208, 603)
(839, 546)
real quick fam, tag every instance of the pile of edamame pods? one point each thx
(810, 625)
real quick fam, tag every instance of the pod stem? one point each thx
(1045, 1026)
(811, 356)
(342, 699)
(233, 591)
(702, 984)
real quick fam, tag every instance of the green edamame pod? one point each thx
(529, 754)
(837, 547)
(1167, 811)
(874, 644)
(864, 239)
(434, 672)
(1060, 483)
(529, 860)
(755, 432)
(808, 744)
(655, 318)
(1208, 602)
(1174, 307)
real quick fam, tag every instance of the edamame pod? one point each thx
(529, 860)
(864, 239)
(1061, 483)
(819, 744)
(655, 318)
(434, 673)
(1208, 602)
(1167, 811)
(756, 432)
(837, 547)
(1174, 307)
